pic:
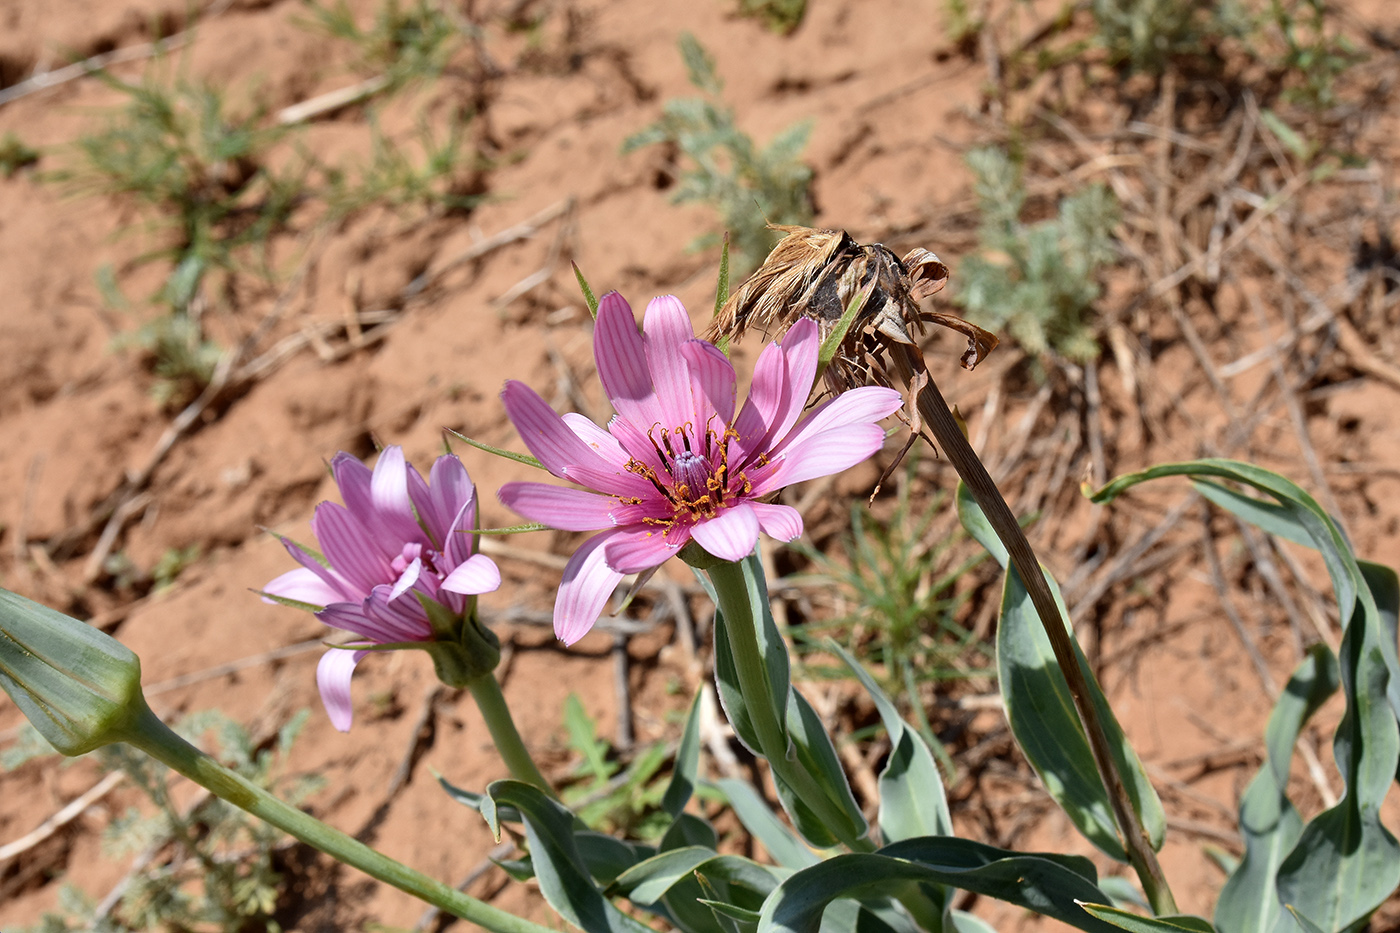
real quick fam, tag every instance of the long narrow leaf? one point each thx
(1042, 716)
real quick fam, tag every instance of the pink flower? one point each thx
(676, 463)
(397, 547)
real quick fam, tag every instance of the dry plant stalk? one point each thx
(817, 274)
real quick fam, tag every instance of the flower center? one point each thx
(699, 483)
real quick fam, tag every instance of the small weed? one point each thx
(750, 187)
(394, 178)
(214, 867)
(902, 584)
(1147, 35)
(405, 43)
(1038, 281)
(171, 564)
(781, 16)
(15, 155)
(1314, 56)
(959, 25)
(629, 802)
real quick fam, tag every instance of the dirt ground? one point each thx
(341, 349)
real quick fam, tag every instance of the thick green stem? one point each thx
(935, 414)
(156, 739)
(487, 693)
(741, 616)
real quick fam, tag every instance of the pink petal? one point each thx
(407, 579)
(781, 522)
(354, 479)
(584, 592)
(350, 547)
(304, 586)
(478, 575)
(636, 443)
(449, 489)
(711, 383)
(559, 449)
(389, 492)
(866, 404)
(559, 507)
(622, 362)
(821, 455)
(667, 326)
(600, 440)
(336, 581)
(801, 346)
(769, 397)
(404, 619)
(635, 551)
(333, 678)
(730, 535)
(459, 544)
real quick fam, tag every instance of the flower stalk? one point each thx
(934, 412)
(492, 703)
(735, 601)
(157, 740)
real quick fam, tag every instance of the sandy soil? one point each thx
(894, 108)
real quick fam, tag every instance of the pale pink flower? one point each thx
(397, 545)
(676, 463)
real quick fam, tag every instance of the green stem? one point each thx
(935, 414)
(156, 739)
(741, 616)
(487, 693)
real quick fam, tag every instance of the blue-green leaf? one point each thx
(687, 766)
(782, 844)
(1047, 884)
(1345, 862)
(1249, 902)
(1136, 923)
(1042, 716)
(912, 799)
(562, 874)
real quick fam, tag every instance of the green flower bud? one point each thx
(79, 687)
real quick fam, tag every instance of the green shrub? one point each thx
(1036, 281)
(749, 187)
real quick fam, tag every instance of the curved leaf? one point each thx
(687, 765)
(912, 799)
(1249, 902)
(1345, 862)
(1042, 716)
(1047, 884)
(753, 812)
(563, 877)
(1136, 923)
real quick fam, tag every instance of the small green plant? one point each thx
(213, 867)
(901, 583)
(406, 42)
(1038, 281)
(748, 186)
(781, 16)
(1147, 35)
(397, 177)
(628, 803)
(1314, 56)
(15, 155)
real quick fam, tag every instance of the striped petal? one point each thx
(558, 506)
(478, 575)
(866, 404)
(712, 383)
(333, 679)
(730, 535)
(304, 586)
(621, 355)
(667, 327)
(599, 439)
(559, 449)
(635, 551)
(584, 592)
(350, 547)
(389, 492)
(821, 455)
(780, 522)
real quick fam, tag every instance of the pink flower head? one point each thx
(676, 463)
(397, 545)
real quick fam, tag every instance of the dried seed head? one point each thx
(816, 274)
